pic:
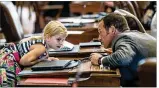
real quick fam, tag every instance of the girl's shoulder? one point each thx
(32, 40)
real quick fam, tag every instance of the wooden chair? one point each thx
(147, 72)
(128, 14)
(137, 9)
(126, 5)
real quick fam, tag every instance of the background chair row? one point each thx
(12, 27)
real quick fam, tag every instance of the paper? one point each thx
(47, 80)
(76, 20)
(75, 32)
(88, 44)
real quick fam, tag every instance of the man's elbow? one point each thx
(126, 61)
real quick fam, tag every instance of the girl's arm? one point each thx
(31, 57)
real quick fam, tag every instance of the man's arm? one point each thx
(124, 52)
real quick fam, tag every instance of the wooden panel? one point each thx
(87, 36)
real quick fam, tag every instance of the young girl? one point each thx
(29, 51)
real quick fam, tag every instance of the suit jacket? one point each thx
(128, 49)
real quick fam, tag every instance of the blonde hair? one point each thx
(53, 28)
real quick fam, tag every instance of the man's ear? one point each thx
(112, 29)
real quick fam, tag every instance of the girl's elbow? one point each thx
(23, 63)
(27, 61)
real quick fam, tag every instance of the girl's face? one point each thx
(55, 42)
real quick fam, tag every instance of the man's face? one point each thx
(104, 35)
(55, 42)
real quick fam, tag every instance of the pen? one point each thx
(104, 54)
(85, 58)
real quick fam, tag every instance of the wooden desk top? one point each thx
(92, 49)
(89, 75)
(83, 52)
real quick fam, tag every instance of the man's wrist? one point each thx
(99, 60)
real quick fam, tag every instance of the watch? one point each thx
(99, 60)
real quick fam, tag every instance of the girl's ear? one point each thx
(112, 29)
(47, 38)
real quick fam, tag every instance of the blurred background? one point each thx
(34, 15)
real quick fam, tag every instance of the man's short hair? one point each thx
(116, 20)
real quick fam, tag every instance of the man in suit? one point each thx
(129, 47)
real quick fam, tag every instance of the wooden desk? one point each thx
(83, 52)
(91, 76)
(90, 30)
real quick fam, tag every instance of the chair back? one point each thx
(10, 22)
(147, 72)
(126, 13)
(126, 5)
(137, 9)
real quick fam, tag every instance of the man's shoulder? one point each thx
(127, 34)
(134, 34)
(131, 33)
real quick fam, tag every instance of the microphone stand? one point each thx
(77, 76)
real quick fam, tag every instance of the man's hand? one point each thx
(108, 50)
(52, 58)
(94, 58)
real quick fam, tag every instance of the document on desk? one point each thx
(47, 80)
(76, 20)
(90, 44)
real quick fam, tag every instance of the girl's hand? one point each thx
(52, 58)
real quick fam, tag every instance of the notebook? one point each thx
(51, 65)
(68, 25)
